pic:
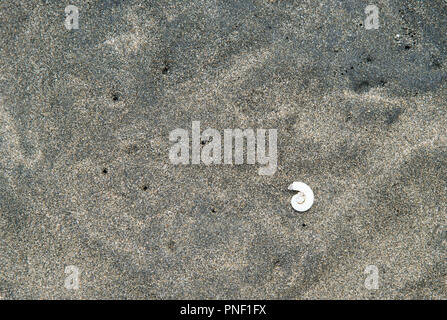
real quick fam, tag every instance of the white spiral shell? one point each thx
(304, 199)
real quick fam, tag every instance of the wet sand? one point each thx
(86, 180)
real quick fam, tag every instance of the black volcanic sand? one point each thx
(85, 177)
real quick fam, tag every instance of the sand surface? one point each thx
(86, 179)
